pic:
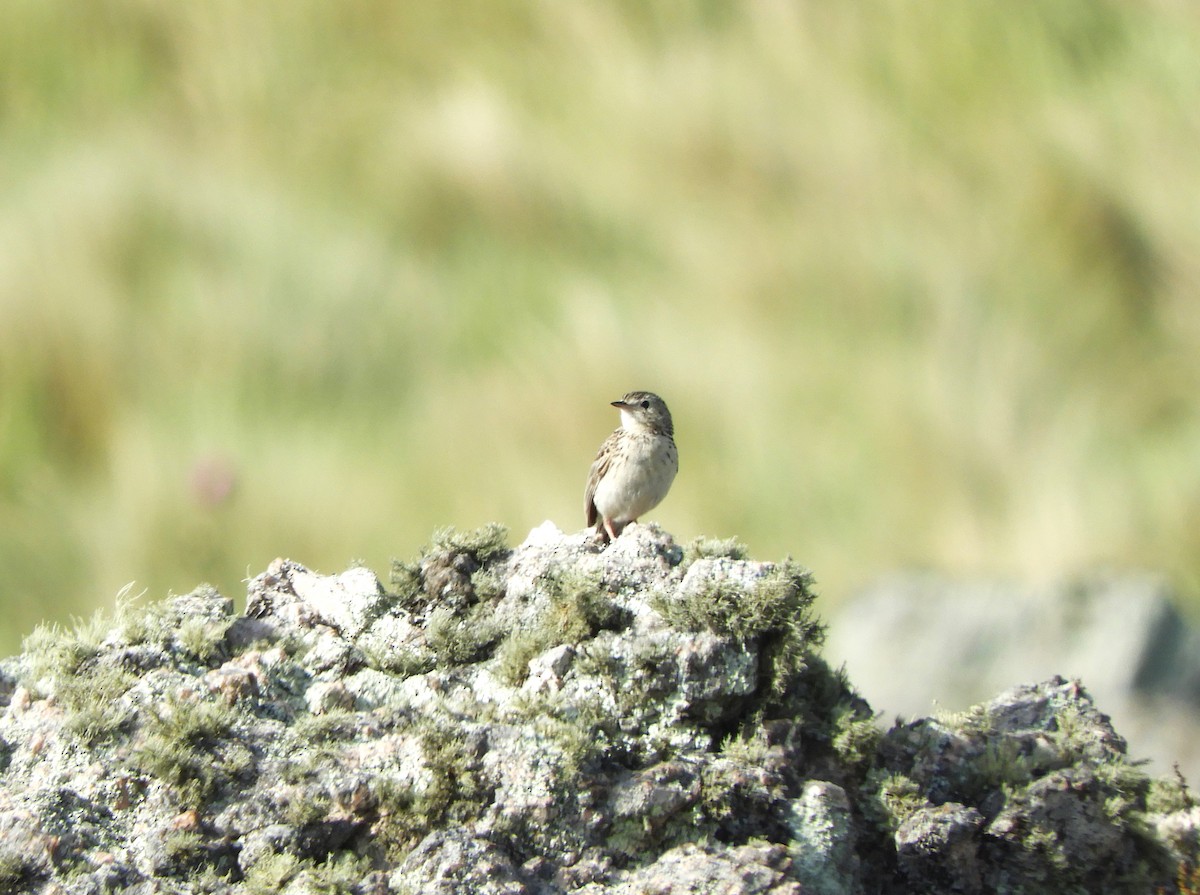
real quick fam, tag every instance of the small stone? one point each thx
(546, 671)
(348, 601)
(823, 840)
(938, 849)
(234, 683)
(326, 696)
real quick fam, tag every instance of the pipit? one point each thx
(635, 466)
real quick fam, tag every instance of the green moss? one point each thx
(203, 638)
(405, 579)
(975, 720)
(855, 738)
(321, 741)
(488, 583)
(269, 874)
(1070, 728)
(65, 664)
(308, 809)
(339, 874)
(455, 793)
(1169, 794)
(714, 548)
(188, 745)
(1002, 765)
(1127, 788)
(484, 543)
(331, 726)
(749, 748)
(579, 607)
(1044, 842)
(458, 640)
(890, 799)
(398, 822)
(579, 746)
(736, 801)
(210, 880)
(94, 701)
(56, 653)
(182, 845)
(514, 655)
(482, 546)
(400, 661)
(775, 612)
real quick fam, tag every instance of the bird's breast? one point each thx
(638, 478)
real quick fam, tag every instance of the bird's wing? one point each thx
(595, 474)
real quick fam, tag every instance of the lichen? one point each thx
(577, 607)
(571, 718)
(187, 745)
(774, 613)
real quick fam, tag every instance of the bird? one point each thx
(634, 467)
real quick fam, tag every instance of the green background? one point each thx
(919, 281)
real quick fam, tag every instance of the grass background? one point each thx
(920, 282)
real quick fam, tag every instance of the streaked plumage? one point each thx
(635, 466)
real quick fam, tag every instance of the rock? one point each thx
(822, 844)
(688, 869)
(911, 642)
(937, 849)
(452, 862)
(327, 696)
(547, 670)
(348, 601)
(543, 720)
(1030, 792)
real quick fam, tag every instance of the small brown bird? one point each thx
(635, 467)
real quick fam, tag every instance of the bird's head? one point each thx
(645, 411)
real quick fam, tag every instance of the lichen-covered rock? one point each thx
(1031, 792)
(449, 862)
(752, 869)
(912, 639)
(547, 719)
(937, 848)
(823, 846)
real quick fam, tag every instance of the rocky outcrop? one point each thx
(911, 641)
(541, 720)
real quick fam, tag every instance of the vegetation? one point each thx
(339, 875)
(579, 607)
(312, 279)
(714, 548)
(61, 662)
(454, 793)
(776, 610)
(188, 745)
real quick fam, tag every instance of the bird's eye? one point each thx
(645, 404)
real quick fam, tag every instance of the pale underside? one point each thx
(620, 489)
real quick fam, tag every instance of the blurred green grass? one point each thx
(920, 282)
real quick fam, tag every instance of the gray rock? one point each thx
(538, 721)
(453, 862)
(706, 870)
(913, 642)
(937, 849)
(822, 849)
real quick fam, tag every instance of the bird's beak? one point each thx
(621, 404)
